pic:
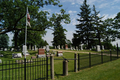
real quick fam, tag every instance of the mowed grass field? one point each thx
(105, 71)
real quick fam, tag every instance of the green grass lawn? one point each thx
(99, 72)
(106, 71)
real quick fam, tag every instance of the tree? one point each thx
(13, 12)
(83, 34)
(59, 35)
(98, 26)
(4, 39)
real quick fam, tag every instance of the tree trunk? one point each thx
(15, 38)
(99, 41)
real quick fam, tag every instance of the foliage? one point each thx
(4, 39)
(92, 30)
(59, 35)
(98, 27)
(83, 34)
(12, 16)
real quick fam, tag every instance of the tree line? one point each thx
(92, 29)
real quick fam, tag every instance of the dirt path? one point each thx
(84, 52)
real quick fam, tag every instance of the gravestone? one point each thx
(47, 48)
(35, 48)
(1, 55)
(33, 57)
(76, 48)
(41, 53)
(98, 48)
(71, 48)
(0, 61)
(58, 47)
(81, 47)
(66, 46)
(55, 47)
(5, 49)
(25, 50)
(16, 55)
(59, 53)
(12, 49)
(29, 47)
(102, 47)
(2, 49)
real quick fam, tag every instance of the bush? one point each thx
(93, 49)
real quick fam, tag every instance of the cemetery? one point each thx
(59, 56)
(57, 40)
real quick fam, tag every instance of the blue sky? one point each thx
(107, 8)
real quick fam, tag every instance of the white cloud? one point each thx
(106, 16)
(73, 3)
(48, 37)
(71, 12)
(103, 5)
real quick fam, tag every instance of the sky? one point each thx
(107, 8)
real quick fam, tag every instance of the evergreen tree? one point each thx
(83, 34)
(98, 27)
(59, 31)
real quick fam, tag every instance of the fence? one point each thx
(89, 60)
(43, 68)
(32, 69)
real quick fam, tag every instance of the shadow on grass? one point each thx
(58, 75)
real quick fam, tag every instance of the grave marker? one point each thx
(16, 55)
(25, 50)
(98, 48)
(59, 53)
(47, 48)
(41, 53)
(0, 61)
(66, 46)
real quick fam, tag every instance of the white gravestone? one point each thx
(16, 55)
(25, 50)
(71, 48)
(0, 61)
(5, 49)
(98, 48)
(29, 47)
(47, 48)
(76, 48)
(35, 48)
(1, 55)
(12, 49)
(58, 47)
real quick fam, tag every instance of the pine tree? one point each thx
(59, 31)
(98, 26)
(83, 34)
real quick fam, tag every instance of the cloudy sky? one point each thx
(107, 8)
